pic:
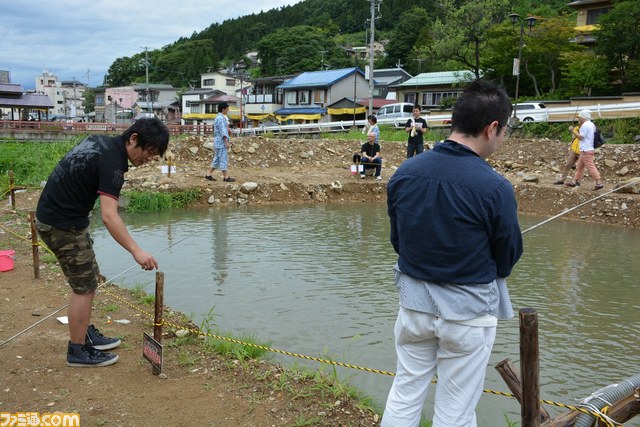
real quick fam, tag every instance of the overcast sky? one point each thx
(81, 39)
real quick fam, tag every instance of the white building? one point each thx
(67, 96)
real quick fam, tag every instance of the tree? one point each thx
(298, 49)
(412, 25)
(463, 34)
(89, 103)
(618, 39)
(583, 73)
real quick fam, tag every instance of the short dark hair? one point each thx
(481, 103)
(222, 106)
(372, 118)
(151, 133)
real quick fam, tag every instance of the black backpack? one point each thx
(598, 139)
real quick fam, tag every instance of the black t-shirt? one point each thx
(370, 149)
(95, 166)
(420, 122)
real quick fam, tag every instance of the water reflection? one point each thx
(317, 279)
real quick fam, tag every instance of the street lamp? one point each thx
(531, 21)
(241, 72)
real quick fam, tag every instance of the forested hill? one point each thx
(423, 35)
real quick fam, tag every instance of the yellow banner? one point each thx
(258, 116)
(338, 111)
(299, 117)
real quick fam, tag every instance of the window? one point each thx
(410, 97)
(195, 108)
(593, 15)
(231, 82)
(318, 96)
(208, 82)
(303, 97)
(291, 98)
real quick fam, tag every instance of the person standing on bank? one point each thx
(221, 145)
(373, 127)
(586, 135)
(416, 127)
(370, 156)
(573, 152)
(457, 238)
(93, 169)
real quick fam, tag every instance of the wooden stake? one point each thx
(12, 189)
(510, 374)
(157, 322)
(530, 367)
(34, 245)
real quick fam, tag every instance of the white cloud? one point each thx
(76, 38)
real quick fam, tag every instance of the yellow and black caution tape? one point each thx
(26, 239)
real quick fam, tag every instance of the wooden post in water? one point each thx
(12, 189)
(34, 245)
(530, 367)
(157, 321)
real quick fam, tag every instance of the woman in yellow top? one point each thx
(573, 153)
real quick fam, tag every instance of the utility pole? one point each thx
(375, 5)
(73, 109)
(146, 66)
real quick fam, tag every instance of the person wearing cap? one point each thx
(220, 145)
(586, 135)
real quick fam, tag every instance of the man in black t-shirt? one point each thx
(416, 127)
(93, 169)
(370, 156)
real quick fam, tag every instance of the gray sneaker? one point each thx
(85, 356)
(98, 341)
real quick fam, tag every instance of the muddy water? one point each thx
(316, 280)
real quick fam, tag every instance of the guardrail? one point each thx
(555, 114)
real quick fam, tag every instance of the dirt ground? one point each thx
(201, 389)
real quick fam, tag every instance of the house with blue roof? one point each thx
(429, 89)
(306, 96)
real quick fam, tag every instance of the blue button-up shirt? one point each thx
(453, 218)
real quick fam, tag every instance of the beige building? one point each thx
(67, 96)
(589, 11)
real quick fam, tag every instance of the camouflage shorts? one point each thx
(74, 251)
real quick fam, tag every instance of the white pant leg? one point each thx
(416, 347)
(463, 355)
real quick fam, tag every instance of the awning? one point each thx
(258, 116)
(299, 117)
(338, 111)
(199, 116)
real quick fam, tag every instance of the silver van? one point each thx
(394, 111)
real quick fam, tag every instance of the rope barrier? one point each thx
(594, 412)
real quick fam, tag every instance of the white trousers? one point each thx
(458, 354)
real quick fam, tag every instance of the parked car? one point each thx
(394, 111)
(531, 111)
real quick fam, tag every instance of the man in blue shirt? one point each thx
(221, 145)
(455, 229)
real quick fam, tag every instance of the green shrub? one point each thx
(153, 201)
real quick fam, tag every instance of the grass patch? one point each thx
(30, 161)
(141, 296)
(146, 201)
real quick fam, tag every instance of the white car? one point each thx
(531, 111)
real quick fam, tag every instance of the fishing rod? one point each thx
(101, 285)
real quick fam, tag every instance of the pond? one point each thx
(317, 280)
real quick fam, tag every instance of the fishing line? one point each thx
(188, 236)
(635, 181)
